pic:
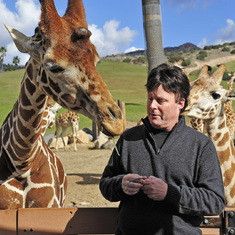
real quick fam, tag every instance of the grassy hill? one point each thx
(125, 81)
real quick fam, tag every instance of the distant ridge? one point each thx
(184, 47)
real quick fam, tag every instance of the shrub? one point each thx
(226, 77)
(225, 49)
(127, 60)
(233, 51)
(202, 55)
(175, 57)
(140, 60)
(186, 62)
(10, 67)
(212, 47)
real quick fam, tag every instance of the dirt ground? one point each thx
(84, 169)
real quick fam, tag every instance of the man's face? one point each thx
(162, 108)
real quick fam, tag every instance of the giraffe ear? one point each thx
(231, 95)
(23, 43)
(18, 38)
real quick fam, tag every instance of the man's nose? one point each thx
(154, 104)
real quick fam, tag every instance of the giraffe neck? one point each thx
(218, 132)
(230, 117)
(22, 129)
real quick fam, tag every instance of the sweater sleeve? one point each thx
(207, 195)
(111, 180)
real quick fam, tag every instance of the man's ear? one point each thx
(181, 103)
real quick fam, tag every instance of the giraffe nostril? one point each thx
(112, 113)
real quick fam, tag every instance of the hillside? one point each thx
(215, 55)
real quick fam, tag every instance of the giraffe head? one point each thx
(65, 62)
(207, 96)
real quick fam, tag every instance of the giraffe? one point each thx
(198, 124)
(62, 66)
(65, 120)
(228, 107)
(206, 101)
(49, 115)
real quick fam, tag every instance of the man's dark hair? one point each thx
(172, 78)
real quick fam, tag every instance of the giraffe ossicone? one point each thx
(62, 66)
(206, 101)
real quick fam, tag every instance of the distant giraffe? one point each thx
(65, 120)
(207, 99)
(49, 115)
(61, 66)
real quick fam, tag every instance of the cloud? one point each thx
(25, 19)
(226, 34)
(132, 49)
(111, 40)
(203, 43)
(223, 35)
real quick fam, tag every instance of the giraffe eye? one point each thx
(54, 68)
(216, 95)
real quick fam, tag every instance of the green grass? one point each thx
(9, 91)
(125, 81)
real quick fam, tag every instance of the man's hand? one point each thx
(132, 183)
(155, 188)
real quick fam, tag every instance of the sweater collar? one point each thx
(151, 129)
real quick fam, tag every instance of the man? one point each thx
(166, 175)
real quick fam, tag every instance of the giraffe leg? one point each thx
(74, 129)
(57, 133)
(62, 136)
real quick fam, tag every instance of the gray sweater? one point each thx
(187, 162)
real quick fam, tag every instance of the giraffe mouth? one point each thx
(111, 129)
(106, 132)
(103, 129)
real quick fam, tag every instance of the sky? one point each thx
(117, 25)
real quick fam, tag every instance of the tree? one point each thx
(2, 55)
(153, 32)
(16, 61)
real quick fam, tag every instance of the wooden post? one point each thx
(95, 131)
(123, 108)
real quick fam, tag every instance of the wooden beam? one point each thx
(91, 220)
(67, 221)
(8, 222)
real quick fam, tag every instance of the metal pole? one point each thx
(153, 32)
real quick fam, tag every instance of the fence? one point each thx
(89, 221)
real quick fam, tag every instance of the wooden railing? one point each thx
(89, 221)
